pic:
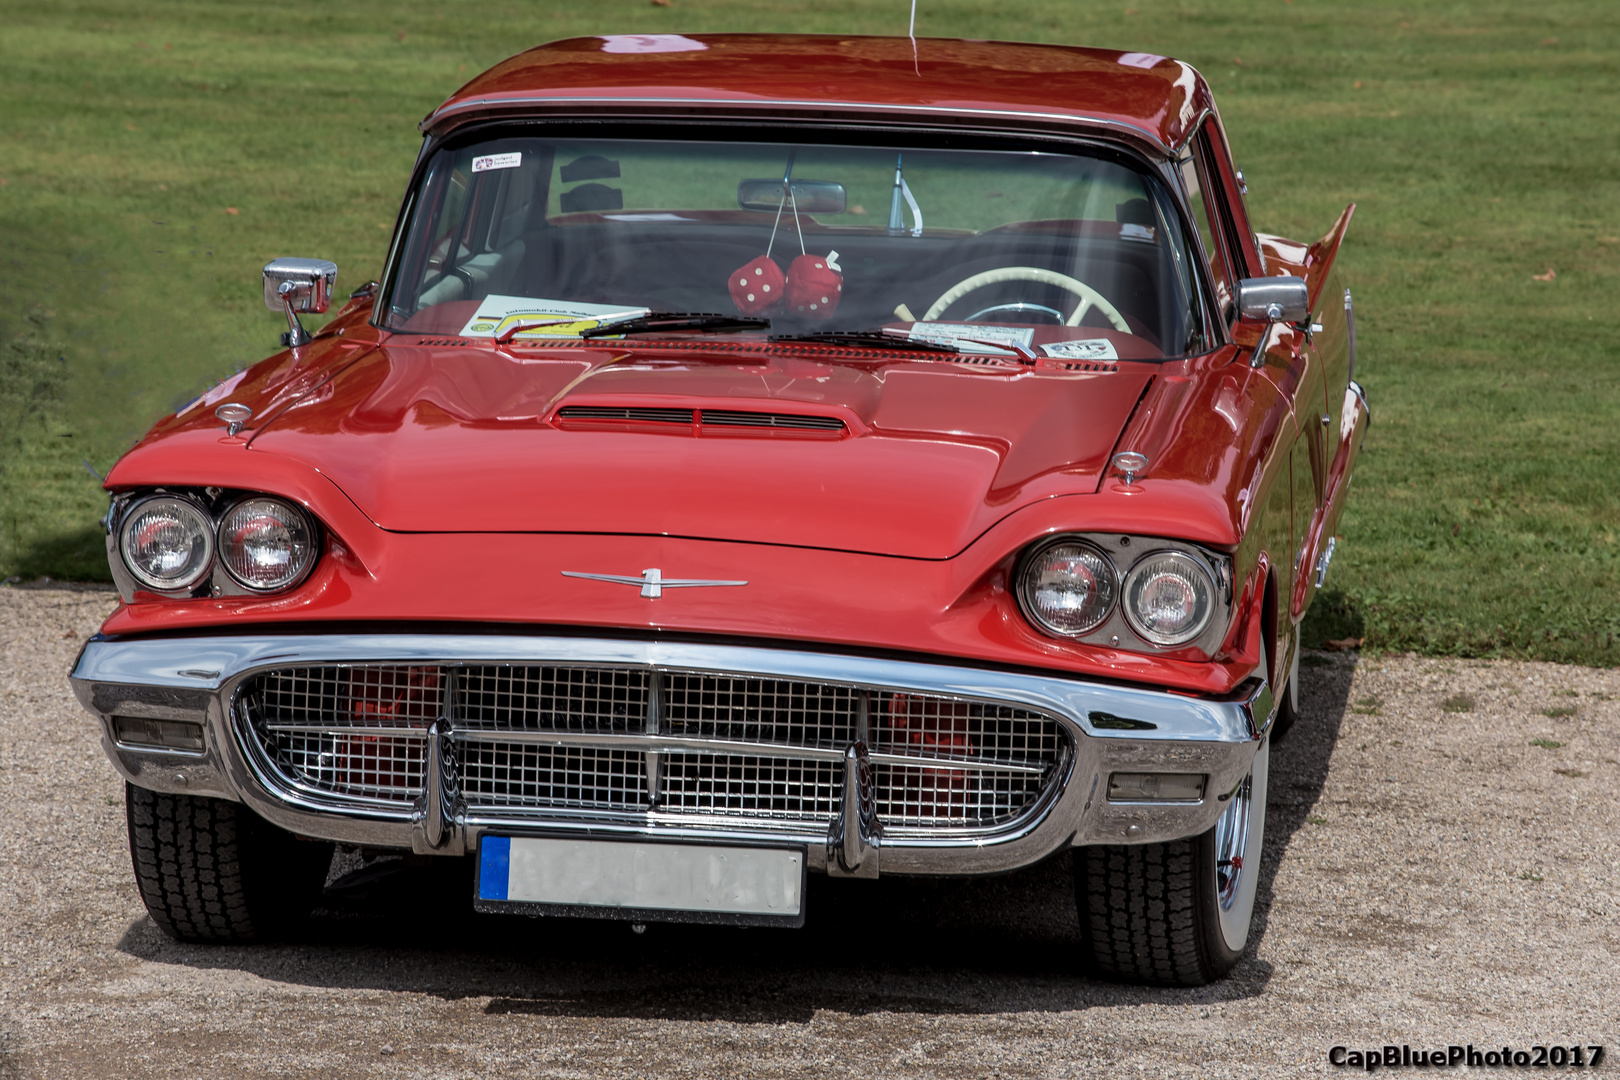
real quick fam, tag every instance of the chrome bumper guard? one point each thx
(1112, 729)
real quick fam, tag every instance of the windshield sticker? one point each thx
(1142, 233)
(970, 336)
(1089, 349)
(498, 161)
(524, 317)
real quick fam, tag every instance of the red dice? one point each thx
(814, 285)
(758, 286)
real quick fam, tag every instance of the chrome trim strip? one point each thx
(402, 732)
(754, 106)
(189, 663)
(670, 744)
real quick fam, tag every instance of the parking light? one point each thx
(1156, 787)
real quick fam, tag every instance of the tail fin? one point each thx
(1319, 259)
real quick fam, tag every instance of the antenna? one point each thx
(911, 32)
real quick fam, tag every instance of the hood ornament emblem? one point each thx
(652, 581)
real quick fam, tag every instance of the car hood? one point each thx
(890, 456)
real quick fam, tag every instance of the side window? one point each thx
(1211, 231)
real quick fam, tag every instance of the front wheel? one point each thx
(213, 871)
(1176, 914)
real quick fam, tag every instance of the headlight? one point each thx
(167, 543)
(266, 544)
(1169, 598)
(1067, 588)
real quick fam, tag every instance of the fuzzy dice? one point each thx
(757, 286)
(814, 285)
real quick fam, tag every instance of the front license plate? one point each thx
(617, 878)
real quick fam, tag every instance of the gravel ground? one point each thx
(1442, 866)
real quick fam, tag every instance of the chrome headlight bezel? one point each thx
(213, 504)
(1192, 570)
(1026, 585)
(1126, 552)
(295, 512)
(205, 530)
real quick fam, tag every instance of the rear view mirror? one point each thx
(295, 285)
(302, 284)
(810, 196)
(1274, 299)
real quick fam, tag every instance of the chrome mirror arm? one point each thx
(1257, 359)
(296, 335)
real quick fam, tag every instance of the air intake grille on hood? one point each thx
(627, 414)
(712, 418)
(733, 418)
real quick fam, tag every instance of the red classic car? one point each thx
(761, 456)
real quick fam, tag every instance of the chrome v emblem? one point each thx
(652, 582)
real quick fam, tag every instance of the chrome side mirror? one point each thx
(295, 285)
(1272, 300)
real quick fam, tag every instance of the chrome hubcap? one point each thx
(1239, 838)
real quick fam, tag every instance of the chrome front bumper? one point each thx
(1113, 728)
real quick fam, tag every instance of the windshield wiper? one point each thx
(657, 321)
(880, 338)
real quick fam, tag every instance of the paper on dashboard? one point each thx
(498, 315)
(974, 337)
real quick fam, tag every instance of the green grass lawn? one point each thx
(153, 157)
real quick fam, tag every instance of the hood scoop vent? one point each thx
(597, 414)
(698, 421)
(779, 421)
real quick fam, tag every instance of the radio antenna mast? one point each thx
(911, 32)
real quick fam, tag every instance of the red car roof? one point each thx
(1149, 97)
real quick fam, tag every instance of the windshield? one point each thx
(533, 237)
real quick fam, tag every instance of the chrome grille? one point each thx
(751, 709)
(910, 796)
(752, 786)
(334, 728)
(506, 697)
(541, 738)
(942, 727)
(524, 775)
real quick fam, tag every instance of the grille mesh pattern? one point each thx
(758, 710)
(517, 774)
(941, 727)
(506, 697)
(334, 729)
(301, 716)
(909, 796)
(968, 731)
(752, 786)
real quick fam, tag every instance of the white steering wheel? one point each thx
(1089, 297)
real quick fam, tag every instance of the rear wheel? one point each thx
(213, 871)
(1176, 914)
